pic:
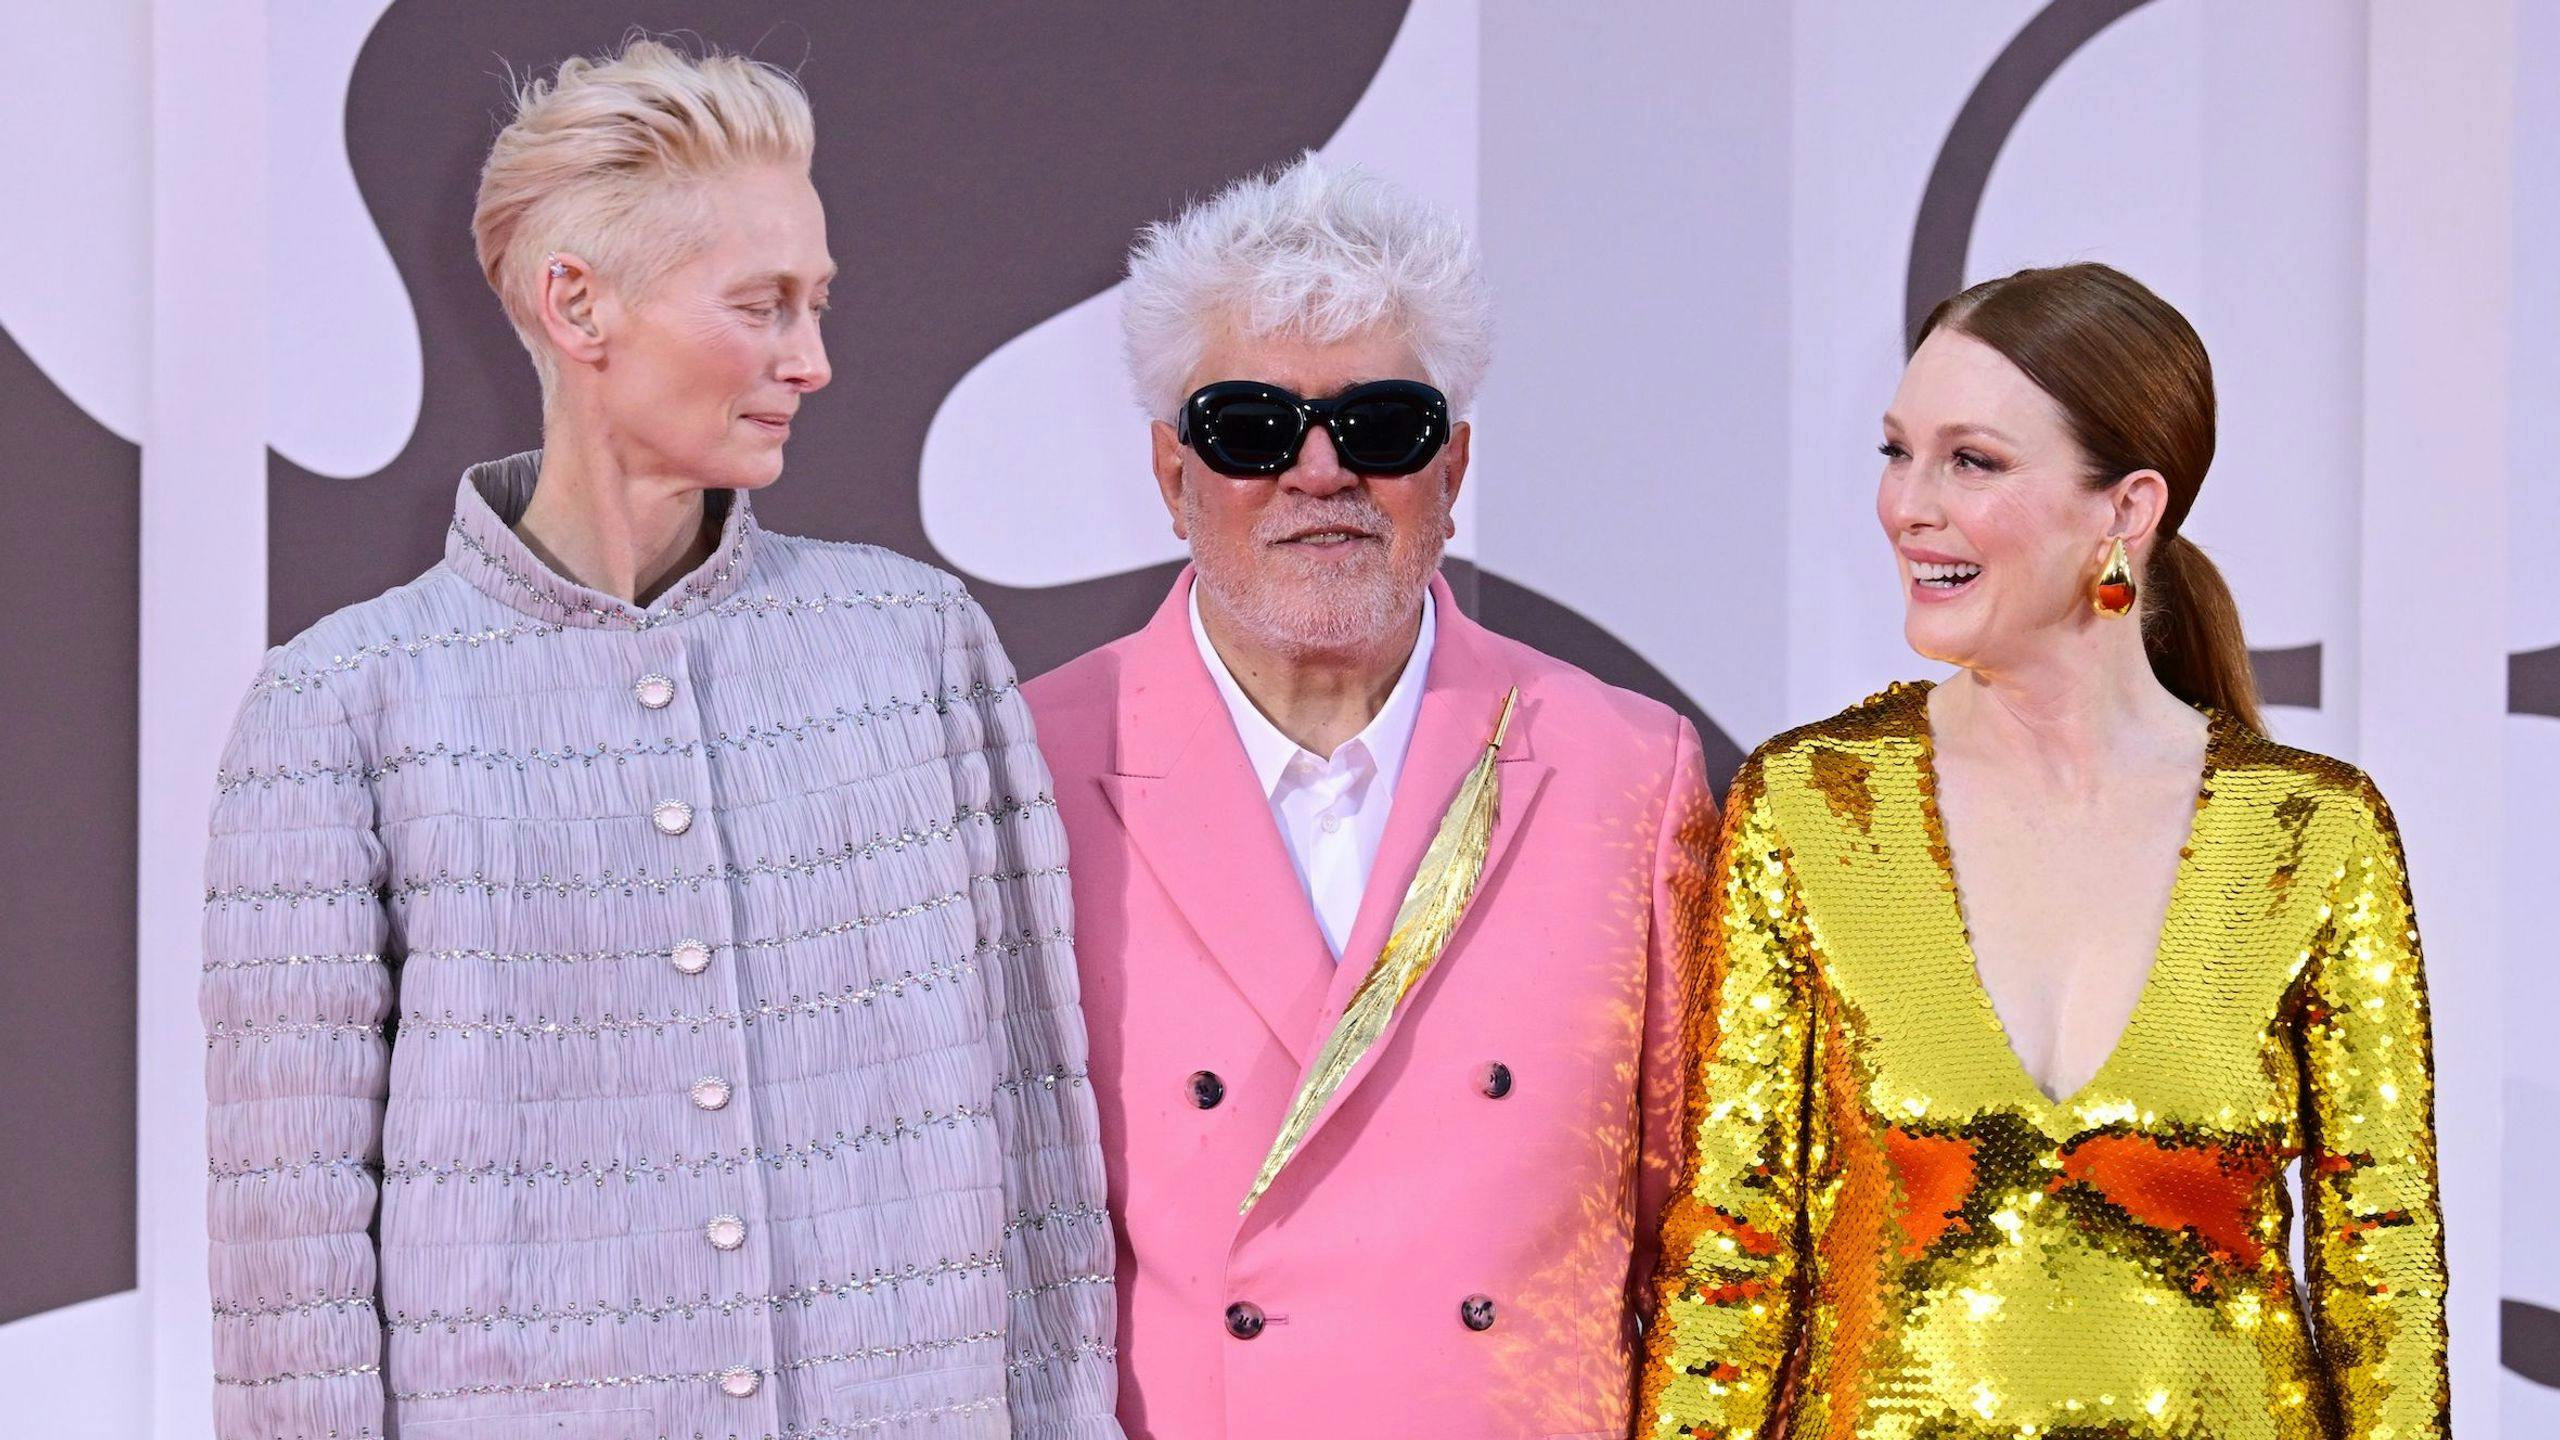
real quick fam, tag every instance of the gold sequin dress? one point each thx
(1886, 1231)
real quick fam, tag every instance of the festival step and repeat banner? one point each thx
(245, 350)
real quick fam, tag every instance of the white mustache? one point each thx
(1357, 515)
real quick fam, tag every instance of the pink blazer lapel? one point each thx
(1193, 810)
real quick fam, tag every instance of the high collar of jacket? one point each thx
(482, 547)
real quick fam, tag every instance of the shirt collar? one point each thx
(1386, 737)
(482, 546)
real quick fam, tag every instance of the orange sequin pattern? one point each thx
(1885, 1231)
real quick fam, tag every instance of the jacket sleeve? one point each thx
(1683, 849)
(1725, 1311)
(1060, 1346)
(2374, 1230)
(295, 993)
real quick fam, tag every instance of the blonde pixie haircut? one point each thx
(604, 159)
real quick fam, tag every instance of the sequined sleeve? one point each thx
(1684, 848)
(1725, 1309)
(2375, 1236)
(294, 994)
(1062, 1382)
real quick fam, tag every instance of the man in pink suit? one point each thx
(1459, 1246)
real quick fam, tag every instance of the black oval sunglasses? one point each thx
(1248, 428)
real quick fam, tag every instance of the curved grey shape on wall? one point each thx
(1942, 234)
(2533, 682)
(2289, 676)
(67, 863)
(2529, 1341)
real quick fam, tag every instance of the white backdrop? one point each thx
(1701, 216)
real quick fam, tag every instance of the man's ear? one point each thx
(1167, 459)
(1453, 469)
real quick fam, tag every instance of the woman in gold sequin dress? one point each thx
(2028, 988)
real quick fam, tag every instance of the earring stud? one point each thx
(559, 268)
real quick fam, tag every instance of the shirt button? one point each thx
(1207, 1089)
(690, 957)
(1332, 823)
(655, 691)
(1244, 1320)
(710, 1093)
(725, 1232)
(1476, 1312)
(1497, 1080)
(740, 1382)
(672, 817)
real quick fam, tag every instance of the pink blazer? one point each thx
(1461, 1246)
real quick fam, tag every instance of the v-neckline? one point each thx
(2181, 889)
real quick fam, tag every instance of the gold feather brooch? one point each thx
(1433, 905)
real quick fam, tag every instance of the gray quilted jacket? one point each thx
(643, 1024)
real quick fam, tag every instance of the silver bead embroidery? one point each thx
(690, 1166)
(966, 1268)
(805, 1362)
(768, 735)
(613, 883)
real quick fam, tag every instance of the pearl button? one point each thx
(725, 1232)
(672, 817)
(1244, 1320)
(690, 957)
(740, 1382)
(710, 1093)
(655, 691)
(1476, 1312)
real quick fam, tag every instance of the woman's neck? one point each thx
(2077, 719)
(626, 532)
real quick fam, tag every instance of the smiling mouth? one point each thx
(1944, 579)
(772, 422)
(1327, 539)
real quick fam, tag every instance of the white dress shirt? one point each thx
(1332, 813)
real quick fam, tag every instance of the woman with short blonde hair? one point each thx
(637, 970)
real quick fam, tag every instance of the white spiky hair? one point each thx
(1314, 251)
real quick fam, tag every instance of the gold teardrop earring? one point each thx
(2113, 594)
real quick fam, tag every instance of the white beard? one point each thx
(1355, 614)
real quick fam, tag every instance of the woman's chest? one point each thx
(2207, 985)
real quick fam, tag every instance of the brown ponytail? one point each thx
(2191, 630)
(2136, 387)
